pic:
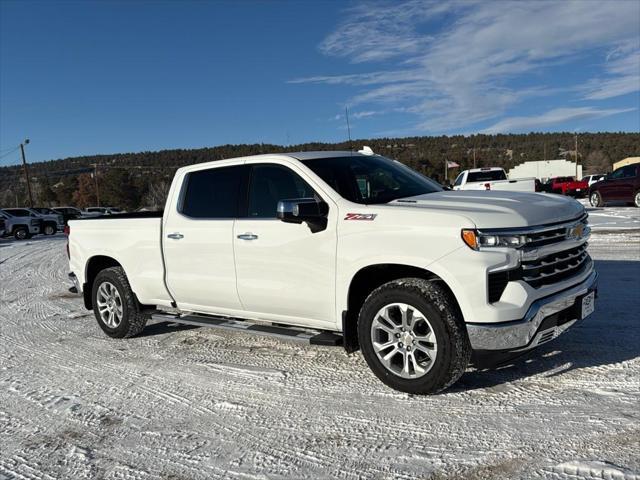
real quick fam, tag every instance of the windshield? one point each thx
(486, 176)
(371, 180)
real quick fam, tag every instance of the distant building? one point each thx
(544, 169)
(625, 162)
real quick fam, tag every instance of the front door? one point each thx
(197, 243)
(608, 187)
(284, 270)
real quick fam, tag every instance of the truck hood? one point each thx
(493, 209)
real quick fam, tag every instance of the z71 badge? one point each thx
(361, 216)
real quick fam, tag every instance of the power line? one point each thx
(9, 152)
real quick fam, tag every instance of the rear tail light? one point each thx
(487, 186)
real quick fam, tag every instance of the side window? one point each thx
(629, 171)
(458, 180)
(271, 183)
(213, 193)
(618, 173)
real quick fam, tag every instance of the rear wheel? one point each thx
(115, 306)
(413, 336)
(595, 199)
(21, 233)
(636, 199)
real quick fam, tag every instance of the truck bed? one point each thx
(133, 240)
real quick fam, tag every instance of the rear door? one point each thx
(198, 240)
(284, 270)
(626, 184)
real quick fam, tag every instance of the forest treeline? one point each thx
(133, 180)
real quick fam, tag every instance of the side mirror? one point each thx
(299, 210)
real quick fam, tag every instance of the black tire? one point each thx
(49, 228)
(133, 321)
(21, 233)
(636, 199)
(595, 199)
(453, 347)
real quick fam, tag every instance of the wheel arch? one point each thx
(15, 226)
(94, 266)
(366, 280)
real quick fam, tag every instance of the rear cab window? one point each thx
(486, 176)
(213, 193)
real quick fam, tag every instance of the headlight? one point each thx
(476, 241)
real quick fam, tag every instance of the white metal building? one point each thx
(544, 169)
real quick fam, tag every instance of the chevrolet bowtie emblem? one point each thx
(576, 231)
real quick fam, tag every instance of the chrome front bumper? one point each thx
(532, 330)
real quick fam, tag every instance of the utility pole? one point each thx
(577, 157)
(95, 178)
(346, 114)
(26, 172)
(474, 157)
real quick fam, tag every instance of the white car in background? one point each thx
(591, 179)
(95, 211)
(492, 178)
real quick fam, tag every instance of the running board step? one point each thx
(313, 337)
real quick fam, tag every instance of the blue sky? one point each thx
(87, 77)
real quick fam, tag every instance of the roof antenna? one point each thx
(346, 114)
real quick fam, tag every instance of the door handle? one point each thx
(248, 236)
(175, 236)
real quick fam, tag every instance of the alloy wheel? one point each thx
(109, 305)
(404, 340)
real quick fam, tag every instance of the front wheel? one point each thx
(636, 199)
(49, 229)
(595, 199)
(21, 233)
(413, 336)
(115, 305)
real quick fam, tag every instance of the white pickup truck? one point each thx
(492, 178)
(343, 248)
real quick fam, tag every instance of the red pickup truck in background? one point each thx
(569, 186)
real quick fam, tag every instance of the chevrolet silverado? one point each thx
(343, 248)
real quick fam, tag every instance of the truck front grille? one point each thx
(547, 237)
(539, 271)
(556, 267)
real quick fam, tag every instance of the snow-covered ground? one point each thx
(191, 403)
(615, 217)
